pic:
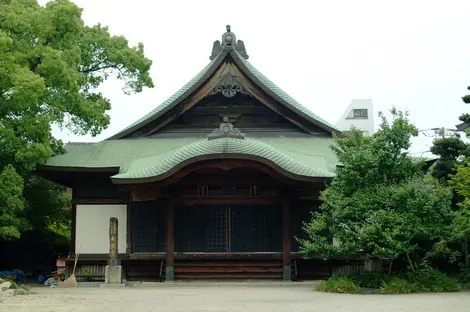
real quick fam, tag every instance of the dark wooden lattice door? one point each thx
(148, 227)
(228, 228)
(255, 228)
(201, 228)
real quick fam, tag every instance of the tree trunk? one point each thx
(409, 261)
(390, 266)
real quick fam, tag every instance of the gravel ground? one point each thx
(244, 297)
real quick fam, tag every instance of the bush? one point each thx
(432, 280)
(87, 275)
(370, 279)
(464, 275)
(398, 286)
(339, 284)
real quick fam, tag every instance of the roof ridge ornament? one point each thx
(229, 86)
(226, 130)
(229, 42)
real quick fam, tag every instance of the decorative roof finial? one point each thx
(229, 41)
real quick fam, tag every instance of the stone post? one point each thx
(372, 265)
(113, 271)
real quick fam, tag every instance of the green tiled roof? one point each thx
(287, 100)
(159, 165)
(305, 156)
(168, 103)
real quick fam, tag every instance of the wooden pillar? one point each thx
(170, 240)
(129, 225)
(69, 266)
(74, 230)
(286, 240)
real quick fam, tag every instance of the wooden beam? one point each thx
(225, 179)
(250, 256)
(238, 192)
(189, 102)
(170, 239)
(264, 98)
(227, 165)
(96, 201)
(257, 110)
(286, 239)
(206, 200)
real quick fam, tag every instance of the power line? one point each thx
(440, 132)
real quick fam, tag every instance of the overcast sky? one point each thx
(413, 54)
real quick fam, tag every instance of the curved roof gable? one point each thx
(236, 51)
(158, 167)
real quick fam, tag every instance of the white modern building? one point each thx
(359, 114)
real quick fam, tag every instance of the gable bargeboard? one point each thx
(225, 89)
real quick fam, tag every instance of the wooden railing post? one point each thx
(286, 240)
(170, 240)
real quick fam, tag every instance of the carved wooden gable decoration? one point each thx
(229, 90)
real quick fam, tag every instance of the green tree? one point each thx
(51, 64)
(465, 117)
(449, 150)
(460, 182)
(379, 204)
(453, 167)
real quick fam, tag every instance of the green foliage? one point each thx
(379, 204)
(466, 98)
(432, 280)
(453, 167)
(461, 185)
(11, 204)
(51, 65)
(420, 280)
(370, 279)
(448, 150)
(398, 286)
(464, 275)
(88, 276)
(339, 284)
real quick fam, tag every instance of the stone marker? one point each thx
(113, 271)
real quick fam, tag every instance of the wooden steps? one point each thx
(228, 269)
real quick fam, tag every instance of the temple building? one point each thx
(214, 183)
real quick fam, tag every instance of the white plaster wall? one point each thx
(366, 125)
(92, 228)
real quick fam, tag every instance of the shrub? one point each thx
(370, 279)
(464, 275)
(398, 286)
(339, 284)
(432, 280)
(87, 275)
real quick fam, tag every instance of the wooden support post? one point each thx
(170, 240)
(286, 240)
(129, 226)
(74, 230)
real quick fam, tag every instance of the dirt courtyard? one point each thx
(244, 297)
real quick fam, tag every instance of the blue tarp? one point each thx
(18, 274)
